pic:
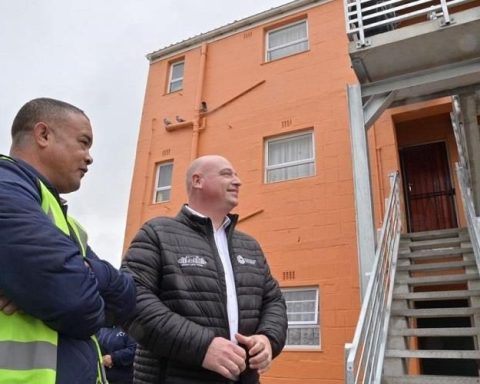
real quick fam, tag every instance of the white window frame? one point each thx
(290, 163)
(269, 49)
(172, 80)
(314, 323)
(163, 188)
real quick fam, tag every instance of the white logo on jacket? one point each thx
(192, 261)
(244, 260)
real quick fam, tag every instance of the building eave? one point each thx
(231, 28)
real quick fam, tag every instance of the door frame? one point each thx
(404, 181)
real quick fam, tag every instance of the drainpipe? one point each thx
(198, 120)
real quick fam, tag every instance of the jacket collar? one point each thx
(204, 224)
(35, 176)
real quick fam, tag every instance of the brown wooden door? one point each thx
(429, 194)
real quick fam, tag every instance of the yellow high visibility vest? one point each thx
(28, 347)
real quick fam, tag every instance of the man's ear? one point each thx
(196, 181)
(42, 134)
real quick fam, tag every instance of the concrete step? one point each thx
(437, 295)
(434, 249)
(431, 235)
(440, 266)
(436, 280)
(427, 332)
(435, 253)
(435, 244)
(430, 379)
(436, 312)
(432, 354)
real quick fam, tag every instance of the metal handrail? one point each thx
(469, 208)
(366, 18)
(458, 125)
(464, 177)
(364, 356)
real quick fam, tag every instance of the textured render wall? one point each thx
(307, 226)
(383, 155)
(156, 145)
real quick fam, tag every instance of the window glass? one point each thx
(287, 40)
(303, 319)
(290, 157)
(162, 195)
(164, 182)
(176, 76)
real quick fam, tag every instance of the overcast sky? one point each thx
(91, 53)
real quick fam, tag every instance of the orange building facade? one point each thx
(269, 93)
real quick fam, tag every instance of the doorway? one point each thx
(429, 194)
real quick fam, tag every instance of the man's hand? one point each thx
(225, 358)
(7, 306)
(107, 361)
(259, 349)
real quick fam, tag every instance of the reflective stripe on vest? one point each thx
(53, 210)
(28, 350)
(28, 347)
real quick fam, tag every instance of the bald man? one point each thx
(208, 309)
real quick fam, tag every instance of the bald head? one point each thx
(201, 165)
(213, 187)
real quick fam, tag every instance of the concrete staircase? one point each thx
(435, 317)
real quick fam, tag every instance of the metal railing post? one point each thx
(472, 220)
(372, 17)
(446, 16)
(364, 356)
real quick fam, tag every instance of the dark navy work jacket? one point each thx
(43, 272)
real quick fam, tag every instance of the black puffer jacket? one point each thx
(181, 298)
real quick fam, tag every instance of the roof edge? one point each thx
(229, 28)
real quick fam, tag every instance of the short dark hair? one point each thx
(41, 109)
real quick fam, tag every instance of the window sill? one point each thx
(285, 57)
(173, 92)
(302, 349)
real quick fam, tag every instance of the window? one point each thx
(286, 41)
(176, 76)
(303, 319)
(163, 185)
(289, 157)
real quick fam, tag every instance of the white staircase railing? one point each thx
(458, 125)
(464, 178)
(366, 18)
(472, 219)
(364, 356)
